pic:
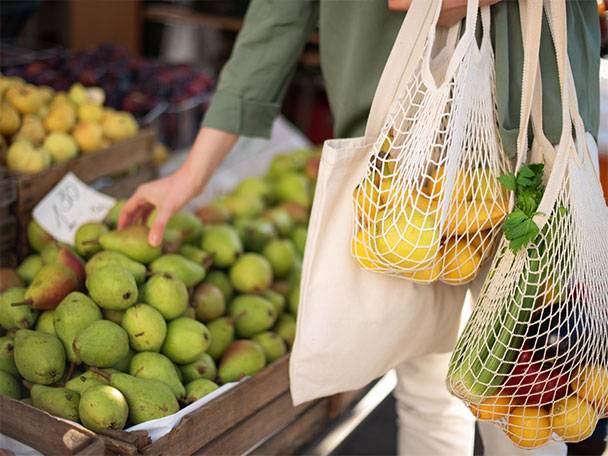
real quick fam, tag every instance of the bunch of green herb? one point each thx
(519, 227)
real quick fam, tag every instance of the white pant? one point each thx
(434, 423)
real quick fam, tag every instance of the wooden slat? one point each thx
(297, 433)
(117, 158)
(40, 430)
(95, 448)
(247, 434)
(216, 418)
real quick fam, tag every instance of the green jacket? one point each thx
(356, 37)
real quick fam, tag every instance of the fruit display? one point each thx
(416, 227)
(535, 363)
(114, 332)
(133, 84)
(40, 126)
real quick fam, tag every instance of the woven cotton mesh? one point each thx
(429, 206)
(534, 355)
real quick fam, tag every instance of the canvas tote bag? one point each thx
(353, 325)
(536, 346)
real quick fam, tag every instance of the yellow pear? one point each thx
(26, 99)
(119, 126)
(61, 99)
(9, 119)
(61, 118)
(486, 185)
(88, 136)
(471, 217)
(435, 182)
(22, 157)
(428, 275)
(31, 129)
(7, 82)
(361, 249)
(90, 112)
(78, 94)
(460, 261)
(61, 146)
(46, 93)
(409, 240)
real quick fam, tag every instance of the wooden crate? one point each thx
(256, 417)
(132, 157)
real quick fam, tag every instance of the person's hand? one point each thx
(452, 11)
(169, 194)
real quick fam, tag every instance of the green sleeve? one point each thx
(584, 53)
(254, 80)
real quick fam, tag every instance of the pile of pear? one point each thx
(112, 331)
(39, 126)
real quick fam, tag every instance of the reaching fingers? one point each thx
(132, 209)
(163, 213)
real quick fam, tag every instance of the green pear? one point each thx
(147, 399)
(86, 239)
(14, 312)
(223, 242)
(199, 388)
(81, 383)
(214, 213)
(167, 294)
(9, 386)
(61, 146)
(222, 335)
(286, 328)
(46, 322)
(125, 362)
(39, 357)
(60, 402)
(281, 220)
(281, 254)
(282, 287)
(132, 242)
(155, 366)
(106, 258)
(186, 340)
(184, 269)
(111, 218)
(298, 236)
(255, 186)
(113, 315)
(72, 316)
(50, 285)
(102, 344)
(7, 355)
(103, 407)
(243, 358)
(50, 252)
(255, 233)
(57, 253)
(112, 287)
(252, 273)
(274, 347)
(145, 326)
(29, 267)
(189, 312)
(285, 163)
(188, 225)
(241, 205)
(208, 302)
(293, 187)
(294, 300)
(276, 298)
(253, 314)
(203, 367)
(37, 237)
(9, 279)
(195, 254)
(221, 280)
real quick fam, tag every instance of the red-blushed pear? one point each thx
(73, 262)
(52, 283)
(243, 358)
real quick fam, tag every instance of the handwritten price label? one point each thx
(70, 204)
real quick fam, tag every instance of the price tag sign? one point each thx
(70, 204)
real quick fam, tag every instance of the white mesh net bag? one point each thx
(533, 358)
(429, 205)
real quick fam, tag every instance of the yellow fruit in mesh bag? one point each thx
(485, 185)
(425, 276)
(370, 197)
(483, 242)
(529, 427)
(435, 183)
(492, 408)
(474, 216)
(361, 249)
(591, 383)
(409, 239)
(460, 261)
(573, 418)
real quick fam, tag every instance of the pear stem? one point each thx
(69, 373)
(101, 373)
(27, 385)
(91, 242)
(27, 302)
